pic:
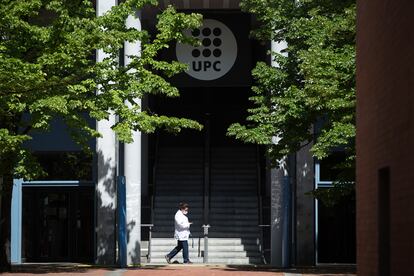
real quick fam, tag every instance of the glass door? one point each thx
(57, 224)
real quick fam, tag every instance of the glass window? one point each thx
(75, 165)
(332, 169)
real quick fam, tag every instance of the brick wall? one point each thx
(385, 130)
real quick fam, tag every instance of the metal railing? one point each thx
(259, 207)
(152, 203)
(150, 226)
(262, 250)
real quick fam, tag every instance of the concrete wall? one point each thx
(385, 136)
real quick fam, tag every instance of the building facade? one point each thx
(118, 204)
(385, 131)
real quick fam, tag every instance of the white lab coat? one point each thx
(182, 226)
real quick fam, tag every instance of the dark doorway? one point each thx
(221, 106)
(57, 224)
(337, 232)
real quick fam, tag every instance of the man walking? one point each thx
(181, 234)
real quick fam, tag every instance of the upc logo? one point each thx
(216, 55)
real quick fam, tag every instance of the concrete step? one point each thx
(179, 176)
(215, 234)
(234, 204)
(235, 223)
(193, 252)
(194, 200)
(179, 165)
(159, 222)
(217, 218)
(181, 184)
(174, 204)
(194, 212)
(234, 192)
(233, 211)
(211, 241)
(234, 183)
(251, 248)
(179, 192)
(178, 258)
(233, 229)
(170, 229)
(178, 170)
(228, 261)
(218, 198)
(194, 217)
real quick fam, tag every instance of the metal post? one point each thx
(16, 222)
(206, 191)
(286, 221)
(122, 235)
(205, 232)
(149, 244)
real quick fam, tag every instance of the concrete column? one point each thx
(305, 208)
(105, 189)
(278, 177)
(132, 164)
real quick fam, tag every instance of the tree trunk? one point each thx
(5, 225)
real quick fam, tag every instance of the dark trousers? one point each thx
(180, 245)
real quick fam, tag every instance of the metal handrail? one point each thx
(149, 239)
(206, 187)
(206, 167)
(154, 174)
(261, 248)
(260, 206)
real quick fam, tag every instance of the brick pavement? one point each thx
(178, 270)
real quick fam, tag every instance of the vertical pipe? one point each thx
(122, 231)
(286, 222)
(16, 222)
(206, 192)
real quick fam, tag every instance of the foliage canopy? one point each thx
(314, 82)
(48, 70)
(310, 96)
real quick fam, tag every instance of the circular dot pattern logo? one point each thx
(215, 56)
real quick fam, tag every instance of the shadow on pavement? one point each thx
(314, 270)
(56, 268)
(97, 270)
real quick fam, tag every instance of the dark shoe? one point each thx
(167, 259)
(188, 262)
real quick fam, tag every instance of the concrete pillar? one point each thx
(105, 189)
(132, 164)
(278, 178)
(276, 216)
(305, 208)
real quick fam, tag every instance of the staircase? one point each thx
(233, 236)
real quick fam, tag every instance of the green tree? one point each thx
(48, 70)
(313, 84)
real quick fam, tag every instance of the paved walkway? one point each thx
(178, 270)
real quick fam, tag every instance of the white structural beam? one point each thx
(278, 179)
(132, 163)
(106, 159)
